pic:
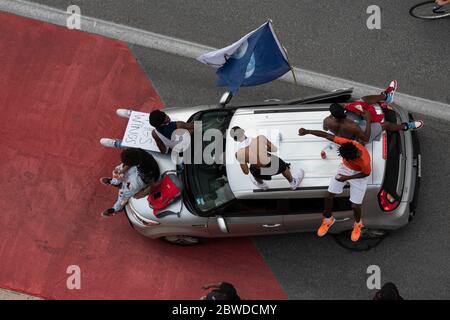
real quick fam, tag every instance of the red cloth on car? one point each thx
(360, 106)
(165, 194)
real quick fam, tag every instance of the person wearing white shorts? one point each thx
(354, 170)
(357, 186)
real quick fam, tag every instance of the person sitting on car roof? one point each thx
(263, 164)
(359, 121)
(354, 170)
(164, 129)
(137, 176)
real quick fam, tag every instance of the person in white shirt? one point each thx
(137, 174)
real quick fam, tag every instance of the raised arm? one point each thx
(317, 133)
(186, 125)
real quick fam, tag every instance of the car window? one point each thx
(208, 183)
(312, 205)
(251, 207)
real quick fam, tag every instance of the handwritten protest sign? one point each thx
(139, 132)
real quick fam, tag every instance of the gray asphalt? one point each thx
(328, 37)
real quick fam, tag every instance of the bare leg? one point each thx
(328, 205)
(357, 212)
(287, 174)
(389, 126)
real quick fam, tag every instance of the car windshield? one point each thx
(207, 184)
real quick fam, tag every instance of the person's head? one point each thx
(348, 151)
(131, 157)
(337, 111)
(158, 118)
(388, 292)
(237, 133)
(330, 123)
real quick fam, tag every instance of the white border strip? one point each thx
(193, 50)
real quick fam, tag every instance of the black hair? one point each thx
(131, 157)
(337, 111)
(388, 292)
(235, 132)
(157, 118)
(348, 151)
(147, 166)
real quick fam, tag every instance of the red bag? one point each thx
(359, 107)
(168, 191)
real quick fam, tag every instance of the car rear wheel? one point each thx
(182, 240)
(370, 238)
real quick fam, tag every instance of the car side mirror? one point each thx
(225, 99)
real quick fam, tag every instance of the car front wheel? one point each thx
(182, 240)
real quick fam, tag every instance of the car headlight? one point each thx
(144, 221)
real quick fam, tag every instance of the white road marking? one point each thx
(11, 295)
(193, 50)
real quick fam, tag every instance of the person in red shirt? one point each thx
(354, 170)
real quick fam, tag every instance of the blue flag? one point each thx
(255, 59)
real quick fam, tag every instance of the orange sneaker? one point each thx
(325, 226)
(356, 233)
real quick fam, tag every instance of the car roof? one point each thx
(280, 125)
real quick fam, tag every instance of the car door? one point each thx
(247, 218)
(305, 214)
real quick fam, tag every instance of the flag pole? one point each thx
(286, 53)
(290, 65)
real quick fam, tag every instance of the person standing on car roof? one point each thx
(164, 129)
(359, 121)
(354, 170)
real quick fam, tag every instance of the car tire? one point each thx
(182, 240)
(370, 238)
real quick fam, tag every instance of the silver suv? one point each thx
(220, 201)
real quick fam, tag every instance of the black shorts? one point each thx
(265, 172)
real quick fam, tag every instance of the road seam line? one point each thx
(192, 50)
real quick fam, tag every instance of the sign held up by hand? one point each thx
(139, 132)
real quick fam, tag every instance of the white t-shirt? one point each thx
(245, 143)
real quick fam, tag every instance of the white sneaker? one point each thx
(262, 186)
(297, 179)
(109, 143)
(123, 113)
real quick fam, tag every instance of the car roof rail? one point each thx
(335, 96)
(338, 95)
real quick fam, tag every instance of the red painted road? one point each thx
(58, 93)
